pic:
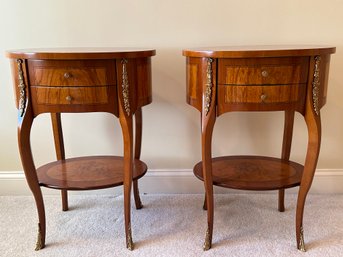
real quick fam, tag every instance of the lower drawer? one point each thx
(260, 94)
(260, 97)
(70, 95)
(74, 99)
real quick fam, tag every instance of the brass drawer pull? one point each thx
(69, 98)
(263, 97)
(67, 75)
(264, 73)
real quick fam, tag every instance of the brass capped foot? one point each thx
(301, 245)
(129, 242)
(207, 243)
(39, 244)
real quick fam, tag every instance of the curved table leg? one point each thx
(126, 124)
(207, 129)
(24, 131)
(314, 137)
(286, 150)
(204, 206)
(138, 144)
(208, 118)
(59, 149)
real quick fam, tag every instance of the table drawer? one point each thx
(260, 94)
(263, 71)
(72, 73)
(70, 95)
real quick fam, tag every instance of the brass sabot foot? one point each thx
(301, 245)
(207, 243)
(129, 242)
(39, 244)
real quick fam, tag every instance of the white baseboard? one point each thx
(326, 181)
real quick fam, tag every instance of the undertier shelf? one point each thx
(85, 173)
(253, 172)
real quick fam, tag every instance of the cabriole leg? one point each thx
(138, 144)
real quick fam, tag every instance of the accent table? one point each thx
(258, 78)
(76, 80)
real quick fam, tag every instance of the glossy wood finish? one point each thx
(54, 81)
(258, 78)
(138, 145)
(263, 51)
(81, 53)
(253, 172)
(286, 150)
(83, 73)
(87, 173)
(262, 71)
(59, 148)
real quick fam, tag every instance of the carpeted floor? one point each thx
(172, 225)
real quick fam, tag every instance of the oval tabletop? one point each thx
(258, 51)
(81, 53)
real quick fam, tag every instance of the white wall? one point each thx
(171, 134)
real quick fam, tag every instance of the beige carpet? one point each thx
(172, 225)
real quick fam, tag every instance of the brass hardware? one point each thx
(207, 243)
(129, 243)
(67, 75)
(125, 87)
(39, 244)
(263, 97)
(208, 92)
(21, 86)
(264, 73)
(301, 246)
(69, 98)
(316, 85)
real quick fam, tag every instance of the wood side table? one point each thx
(258, 78)
(113, 80)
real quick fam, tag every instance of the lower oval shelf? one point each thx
(85, 173)
(253, 172)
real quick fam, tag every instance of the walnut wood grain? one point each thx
(59, 149)
(259, 51)
(87, 173)
(82, 80)
(267, 71)
(59, 73)
(259, 78)
(24, 145)
(286, 150)
(80, 53)
(313, 123)
(261, 94)
(138, 146)
(253, 172)
(74, 99)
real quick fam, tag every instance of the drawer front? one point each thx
(262, 71)
(259, 94)
(70, 95)
(261, 98)
(72, 73)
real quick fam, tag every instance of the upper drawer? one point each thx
(72, 73)
(259, 71)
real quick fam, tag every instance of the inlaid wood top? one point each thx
(81, 53)
(258, 51)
